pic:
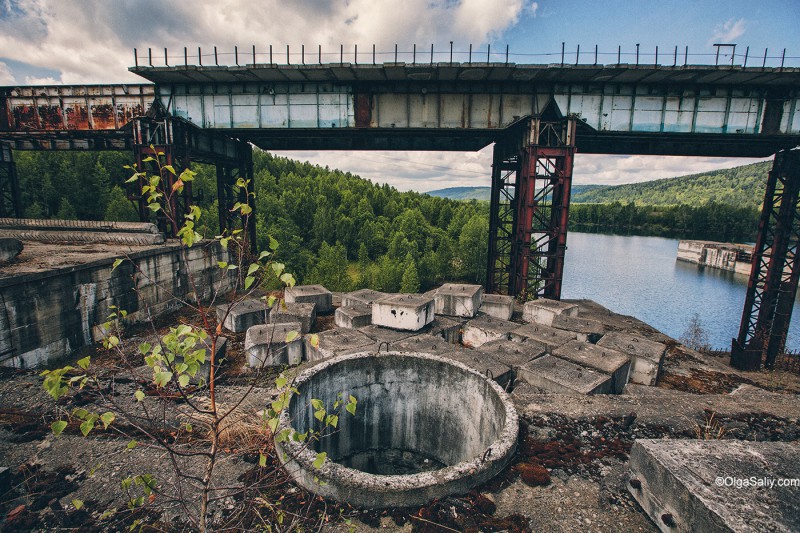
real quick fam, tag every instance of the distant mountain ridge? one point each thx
(741, 186)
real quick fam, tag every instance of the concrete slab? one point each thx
(305, 313)
(498, 306)
(587, 330)
(243, 315)
(513, 354)
(266, 345)
(410, 312)
(362, 297)
(552, 338)
(717, 485)
(543, 310)
(605, 360)
(353, 316)
(647, 357)
(9, 249)
(562, 377)
(447, 328)
(487, 366)
(315, 294)
(454, 299)
(484, 329)
(338, 341)
(380, 334)
(424, 343)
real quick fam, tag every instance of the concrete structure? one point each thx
(399, 450)
(586, 330)
(410, 312)
(717, 485)
(543, 310)
(56, 296)
(353, 316)
(498, 306)
(9, 248)
(422, 343)
(239, 316)
(447, 328)
(454, 299)
(723, 256)
(513, 354)
(313, 294)
(385, 335)
(204, 373)
(81, 231)
(362, 297)
(646, 356)
(335, 342)
(552, 338)
(484, 329)
(604, 360)
(267, 345)
(557, 375)
(305, 313)
(490, 367)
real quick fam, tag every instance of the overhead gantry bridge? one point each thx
(537, 116)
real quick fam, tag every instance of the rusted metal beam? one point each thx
(10, 203)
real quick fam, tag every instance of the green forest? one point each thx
(346, 232)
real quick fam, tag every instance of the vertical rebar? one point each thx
(355, 55)
(431, 53)
(254, 54)
(414, 55)
(320, 53)
(216, 58)
(764, 64)
(166, 59)
(783, 57)
(675, 57)
(656, 61)
(270, 54)
(302, 54)
(595, 54)
(185, 57)
(746, 53)
(341, 54)
(150, 56)
(562, 53)
(716, 59)
(373, 53)
(135, 57)
(395, 53)
(637, 54)
(619, 54)
(506, 54)
(488, 53)
(578, 55)
(451, 52)
(288, 62)
(470, 53)
(236, 55)
(686, 56)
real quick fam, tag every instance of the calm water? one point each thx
(640, 276)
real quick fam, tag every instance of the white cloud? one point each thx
(6, 76)
(728, 31)
(533, 7)
(49, 80)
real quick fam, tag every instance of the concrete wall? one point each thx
(46, 315)
(715, 255)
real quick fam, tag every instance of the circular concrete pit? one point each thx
(425, 427)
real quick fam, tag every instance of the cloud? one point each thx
(728, 31)
(532, 8)
(6, 76)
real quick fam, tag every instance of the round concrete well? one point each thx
(425, 427)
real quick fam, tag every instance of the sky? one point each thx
(92, 41)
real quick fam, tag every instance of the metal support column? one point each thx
(529, 211)
(775, 269)
(10, 203)
(228, 193)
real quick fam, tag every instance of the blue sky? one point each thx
(92, 41)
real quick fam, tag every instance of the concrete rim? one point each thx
(409, 489)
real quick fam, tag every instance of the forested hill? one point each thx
(740, 186)
(483, 193)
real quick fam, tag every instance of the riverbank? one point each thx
(723, 256)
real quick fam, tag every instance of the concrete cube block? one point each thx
(310, 294)
(647, 357)
(424, 343)
(587, 330)
(285, 312)
(484, 329)
(362, 297)
(410, 312)
(243, 314)
(353, 316)
(338, 341)
(604, 360)
(266, 345)
(513, 354)
(563, 377)
(385, 335)
(447, 328)
(498, 306)
(483, 364)
(455, 299)
(552, 338)
(543, 310)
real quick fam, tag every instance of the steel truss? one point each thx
(10, 204)
(775, 269)
(529, 210)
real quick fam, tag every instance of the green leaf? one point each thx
(273, 244)
(271, 301)
(188, 427)
(317, 404)
(248, 281)
(154, 207)
(351, 406)
(132, 444)
(183, 380)
(262, 460)
(320, 460)
(332, 420)
(278, 268)
(314, 340)
(162, 378)
(170, 169)
(253, 268)
(117, 262)
(78, 504)
(263, 255)
(292, 335)
(288, 279)
(280, 382)
(320, 414)
(84, 363)
(58, 426)
(222, 264)
(80, 413)
(107, 418)
(87, 426)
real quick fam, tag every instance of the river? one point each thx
(640, 276)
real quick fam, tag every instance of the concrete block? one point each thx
(487, 366)
(305, 313)
(362, 297)
(380, 334)
(647, 357)
(313, 294)
(498, 306)
(454, 299)
(9, 249)
(562, 377)
(484, 329)
(513, 354)
(338, 341)
(542, 311)
(353, 316)
(604, 360)
(675, 481)
(422, 343)
(587, 330)
(410, 312)
(552, 338)
(447, 328)
(265, 345)
(243, 315)
(204, 372)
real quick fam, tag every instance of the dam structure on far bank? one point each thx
(735, 258)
